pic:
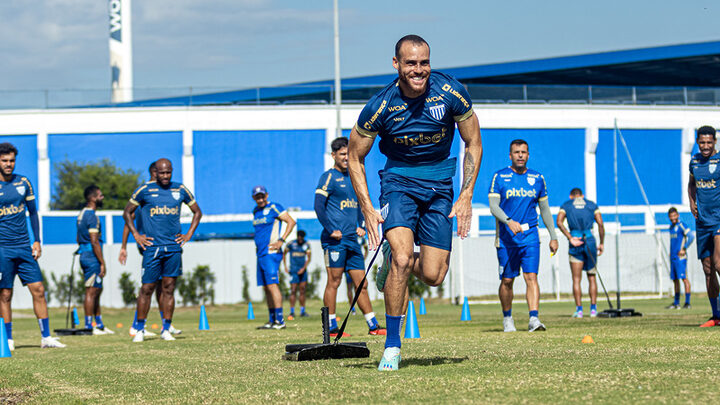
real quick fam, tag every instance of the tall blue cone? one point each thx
(4, 348)
(251, 313)
(203, 324)
(76, 319)
(423, 311)
(411, 324)
(465, 311)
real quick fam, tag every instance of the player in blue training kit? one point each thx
(348, 278)
(515, 193)
(583, 250)
(89, 239)
(704, 195)
(415, 117)
(160, 203)
(17, 257)
(267, 218)
(337, 210)
(300, 255)
(681, 237)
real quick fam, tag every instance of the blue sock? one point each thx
(373, 323)
(8, 329)
(687, 298)
(677, 299)
(134, 325)
(393, 331)
(88, 322)
(714, 306)
(44, 327)
(578, 309)
(507, 313)
(333, 322)
(271, 313)
(140, 324)
(98, 322)
(166, 324)
(302, 310)
(534, 313)
(279, 315)
(292, 311)
(161, 315)
(593, 307)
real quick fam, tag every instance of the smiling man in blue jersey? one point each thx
(515, 193)
(337, 210)
(704, 195)
(267, 220)
(162, 240)
(681, 237)
(300, 255)
(89, 239)
(583, 251)
(415, 117)
(17, 257)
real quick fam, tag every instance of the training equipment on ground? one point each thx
(119, 325)
(422, 310)
(4, 345)
(203, 323)
(587, 339)
(465, 316)
(251, 313)
(326, 350)
(411, 325)
(73, 330)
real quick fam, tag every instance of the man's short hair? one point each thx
(339, 143)
(301, 233)
(153, 166)
(90, 191)
(7, 147)
(415, 39)
(519, 142)
(706, 130)
(576, 191)
(671, 210)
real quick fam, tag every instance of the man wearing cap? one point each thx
(267, 218)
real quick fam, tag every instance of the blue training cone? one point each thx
(423, 311)
(251, 313)
(203, 324)
(411, 324)
(465, 311)
(4, 348)
(76, 319)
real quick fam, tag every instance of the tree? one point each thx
(116, 184)
(128, 288)
(197, 287)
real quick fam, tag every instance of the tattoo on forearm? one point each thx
(468, 171)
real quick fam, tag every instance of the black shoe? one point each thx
(304, 315)
(268, 325)
(687, 306)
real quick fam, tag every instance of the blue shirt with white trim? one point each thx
(298, 254)
(519, 196)
(580, 214)
(680, 238)
(160, 210)
(14, 196)
(341, 206)
(267, 227)
(706, 173)
(87, 223)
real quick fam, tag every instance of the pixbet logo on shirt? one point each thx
(164, 210)
(348, 203)
(705, 183)
(11, 209)
(520, 192)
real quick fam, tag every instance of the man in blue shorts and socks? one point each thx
(348, 278)
(17, 257)
(704, 195)
(89, 239)
(160, 203)
(515, 193)
(583, 250)
(337, 210)
(415, 117)
(681, 237)
(267, 220)
(300, 255)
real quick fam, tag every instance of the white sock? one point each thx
(331, 317)
(368, 318)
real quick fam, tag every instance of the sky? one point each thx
(231, 44)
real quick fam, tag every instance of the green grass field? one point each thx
(662, 357)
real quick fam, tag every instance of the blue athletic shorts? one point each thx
(581, 253)
(512, 259)
(91, 269)
(345, 257)
(295, 279)
(678, 268)
(705, 240)
(268, 267)
(159, 262)
(18, 261)
(420, 205)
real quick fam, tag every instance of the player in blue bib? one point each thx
(515, 194)
(337, 210)
(415, 117)
(681, 237)
(89, 239)
(17, 257)
(162, 240)
(267, 220)
(300, 255)
(583, 251)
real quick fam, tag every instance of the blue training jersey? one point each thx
(341, 205)
(160, 211)
(519, 196)
(298, 254)
(416, 131)
(707, 180)
(580, 216)
(680, 238)
(87, 223)
(267, 227)
(14, 195)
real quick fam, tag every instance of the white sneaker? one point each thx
(174, 331)
(167, 335)
(11, 344)
(108, 331)
(50, 341)
(535, 324)
(139, 336)
(97, 331)
(133, 331)
(508, 324)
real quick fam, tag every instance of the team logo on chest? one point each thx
(21, 189)
(266, 211)
(175, 195)
(437, 111)
(712, 167)
(531, 181)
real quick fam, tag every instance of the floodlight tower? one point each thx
(121, 50)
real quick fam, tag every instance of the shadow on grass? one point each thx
(25, 347)
(421, 361)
